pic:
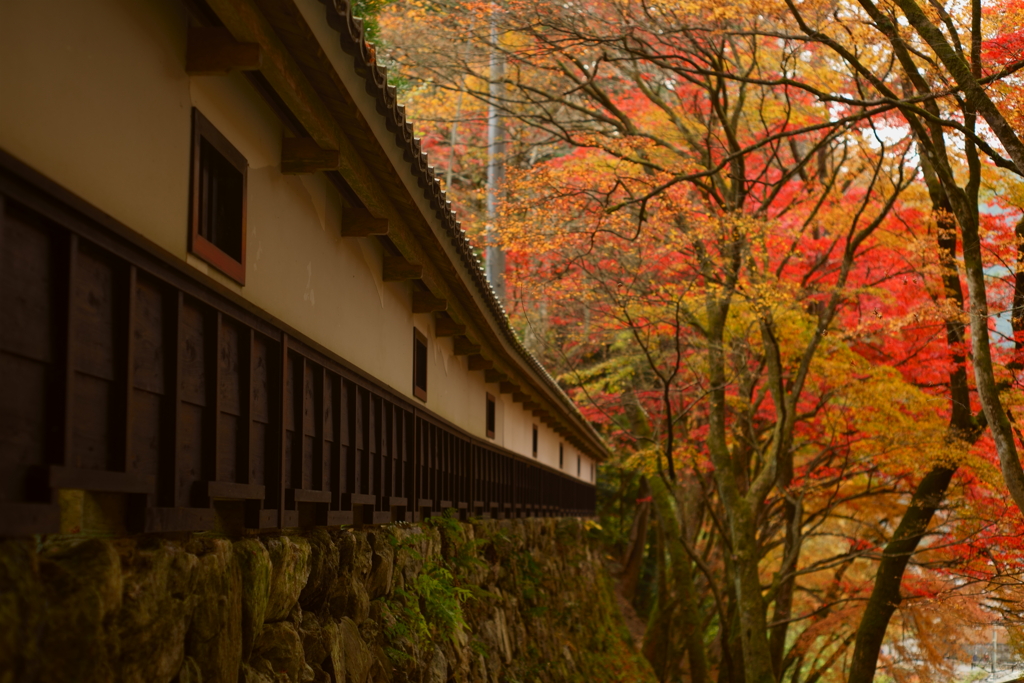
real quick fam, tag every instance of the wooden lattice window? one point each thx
(419, 365)
(490, 416)
(218, 192)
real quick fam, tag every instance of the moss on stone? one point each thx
(290, 563)
(255, 569)
(214, 640)
(509, 600)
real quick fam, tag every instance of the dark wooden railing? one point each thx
(122, 374)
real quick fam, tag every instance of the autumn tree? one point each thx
(714, 159)
(937, 78)
(707, 202)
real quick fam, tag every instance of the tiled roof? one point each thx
(341, 18)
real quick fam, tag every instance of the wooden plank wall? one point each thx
(122, 375)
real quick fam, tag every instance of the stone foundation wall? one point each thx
(509, 600)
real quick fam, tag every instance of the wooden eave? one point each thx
(307, 93)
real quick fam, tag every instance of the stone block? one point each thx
(83, 585)
(278, 654)
(354, 554)
(289, 559)
(214, 639)
(21, 620)
(254, 565)
(314, 640)
(324, 565)
(351, 659)
(158, 602)
(348, 598)
(378, 582)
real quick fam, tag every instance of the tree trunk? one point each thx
(784, 598)
(732, 652)
(632, 561)
(663, 646)
(682, 580)
(757, 660)
(984, 375)
(885, 596)
(977, 99)
(740, 521)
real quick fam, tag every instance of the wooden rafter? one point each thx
(464, 347)
(213, 50)
(397, 268)
(426, 302)
(304, 155)
(446, 327)
(359, 222)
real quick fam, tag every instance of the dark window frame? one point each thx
(561, 456)
(535, 440)
(203, 130)
(491, 417)
(419, 390)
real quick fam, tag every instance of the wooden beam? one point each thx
(100, 480)
(464, 347)
(530, 405)
(446, 327)
(478, 362)
(540, 413)
(358, 222)
(303, 155)
(234, 491)
(494, 376)
(396, 269)
(520, 397)
(426, 302)
(281, 70)
(215, 51)
(508, 387)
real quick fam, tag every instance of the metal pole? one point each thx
(451, 144)
(495, 166)
(995, 648)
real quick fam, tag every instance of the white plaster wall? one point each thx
(94, 96)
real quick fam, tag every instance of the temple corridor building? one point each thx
(233, 295)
